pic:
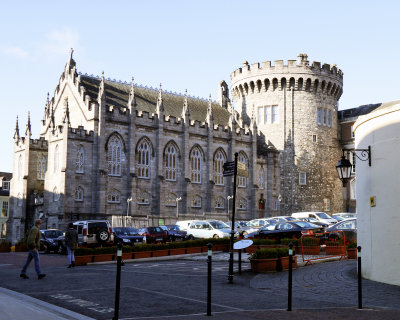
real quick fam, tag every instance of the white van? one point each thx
(320, 216)
(184, 224)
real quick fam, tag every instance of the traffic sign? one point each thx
(229, 169)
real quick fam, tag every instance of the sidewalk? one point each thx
(17, 306)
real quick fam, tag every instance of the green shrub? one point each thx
(333, 243)
(268, 253)
(283, 252)
(310, 241)
(142, 247)
(104, 250)
(126, 249)
(264, 242)
(294, 241)
(83, 251)
(352, 245)
(159, 246)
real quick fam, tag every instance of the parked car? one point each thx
(184, 224)
(288, 230)
(320, 216)
(154, 234)
(174, 232)
(345, 215)
(243, 227)
(91, 233)
(49, 240)
(348, 226)
(315, 221)
(127, 236)
(259, 222)
(209, 229)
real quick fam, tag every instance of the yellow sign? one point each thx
(372, 201)
(242, 173)
(241, 166)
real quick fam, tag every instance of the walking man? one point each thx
(71, 241)
(33, 243)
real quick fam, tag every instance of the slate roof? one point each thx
(356, 112)
(117, 94)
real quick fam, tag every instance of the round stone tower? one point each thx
(296, 106)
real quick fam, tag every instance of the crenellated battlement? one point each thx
(80, 133)
(300, 75)
(40, 143)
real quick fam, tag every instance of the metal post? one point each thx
(230, 275)
(290, 277)
(240, 261)
(118, 282)
(359, 278)
(209, 280)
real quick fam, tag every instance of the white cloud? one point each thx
(14, 51)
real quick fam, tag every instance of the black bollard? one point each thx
(209, 280)
(290, 277)
(240, 261)
(359, 278)
(118, 282)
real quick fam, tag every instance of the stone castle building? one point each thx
(109, 149)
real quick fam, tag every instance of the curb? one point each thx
(43, 307)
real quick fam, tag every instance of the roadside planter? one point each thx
(104, 254)
(334, 248)
(352, 250)
(160, 250)
(83, 256)
(141, 254)
(177, 251)
(310, 246)
(22, 247)
(264, 260)
(5, 247)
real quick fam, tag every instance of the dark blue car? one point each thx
(127, 236)
(174, 232)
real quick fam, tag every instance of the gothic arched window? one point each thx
(219, 160)
(242, 204)
(170, 200)
(262, 179)
(20, 167)
(56, 194)
(79, 194)
(41, 170)
(196, 202)
(170, 161)
(114, 196)
(142, 197)
(196, 165)
(242, 181)
(56, 159)
(114, 156)
(219, 203)
(143, 160)
(80, 160)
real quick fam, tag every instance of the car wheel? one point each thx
(216, 236)
(103, 235)
(191, 237)
(244, 233)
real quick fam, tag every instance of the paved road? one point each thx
(177, 288)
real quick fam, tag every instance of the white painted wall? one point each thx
(378, 227)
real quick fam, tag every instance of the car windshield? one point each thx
(155, 229)
(126, 231)
(53, 233)
(218, 225)
(270, 226)
(165, 228)
(338, 218)
(290, 218)
(323, 215)
(174, 227)
(305, 224)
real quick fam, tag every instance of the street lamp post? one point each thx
(344, 166)
(229, 198)
(127, 211)
(177, 205)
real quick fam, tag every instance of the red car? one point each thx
(154, 234)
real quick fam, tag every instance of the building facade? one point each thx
(109, 149)
(5, 179)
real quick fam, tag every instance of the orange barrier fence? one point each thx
(322, 245)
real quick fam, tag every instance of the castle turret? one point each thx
(28, 131)
(296, 110)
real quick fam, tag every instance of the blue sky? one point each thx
(189, 45)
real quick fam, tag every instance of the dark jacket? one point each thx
(33, 241)
(71, 238)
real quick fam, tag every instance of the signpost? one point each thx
(229, 168)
